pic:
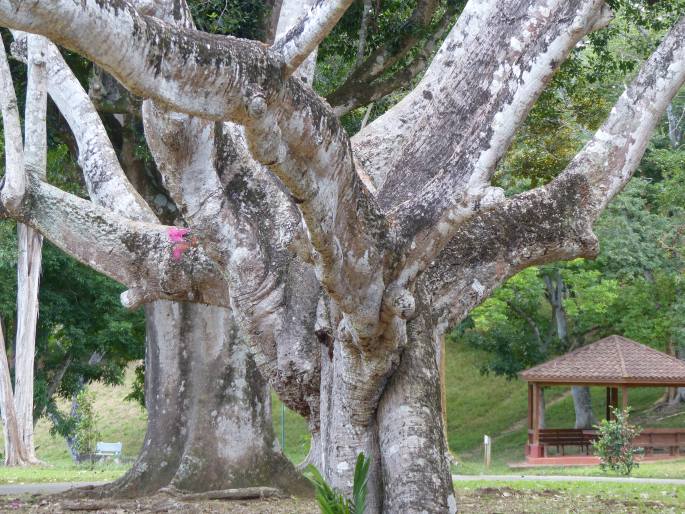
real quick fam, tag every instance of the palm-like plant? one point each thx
(331, 501)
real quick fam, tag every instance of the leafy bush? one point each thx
(614, 444)
(331, 501)
(86, 434)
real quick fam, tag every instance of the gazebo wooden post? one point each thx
(612, 401)
(624, 397)
(534, 449)
(530, 406)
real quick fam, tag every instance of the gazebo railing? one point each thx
(670, 440)
(560, 438)
(654, 441)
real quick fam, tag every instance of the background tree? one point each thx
(635, 285)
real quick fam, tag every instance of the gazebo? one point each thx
(615, 363)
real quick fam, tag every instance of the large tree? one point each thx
(370, 245)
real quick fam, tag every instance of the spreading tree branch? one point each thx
(155, 261)
(301, 40)
(442, 142)
(609, 159)
(554, 222)
(106, 182)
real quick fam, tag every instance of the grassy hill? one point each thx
(476, 405)
(117, 420)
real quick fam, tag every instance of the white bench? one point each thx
(103, 449)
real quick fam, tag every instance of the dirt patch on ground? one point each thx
(159, 503)
(491, 500)
(485, 500)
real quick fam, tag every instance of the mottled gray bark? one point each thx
(675, 129)
(30, 244)
(582, 403)
(209, 414)
(415, 460)
(15, 451)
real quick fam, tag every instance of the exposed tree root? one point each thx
(244, 493)
(168, 498)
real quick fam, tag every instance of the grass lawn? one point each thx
(556, 497)
(667, 469)
(62, 471)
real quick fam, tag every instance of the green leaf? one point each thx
(360, 484)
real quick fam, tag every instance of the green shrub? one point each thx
(614, 444)
(86, 433)
(331, 501)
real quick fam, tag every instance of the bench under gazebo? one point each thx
(614, 363)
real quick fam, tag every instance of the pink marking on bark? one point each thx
(178, 250)
(176, 234)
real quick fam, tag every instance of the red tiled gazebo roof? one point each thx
(612, 360)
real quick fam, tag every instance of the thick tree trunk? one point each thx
(397, 422)
(414, 452)
(348, 421)
(369, 242)
(209, 419)
(28, 278)
(582, 403)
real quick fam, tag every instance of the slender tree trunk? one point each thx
(15, 452)
(28, 277)
(209, 415)
(675, 132)
(70, 439)
(30, 246)
(582, 403)
(676, 394)
(582, 400)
